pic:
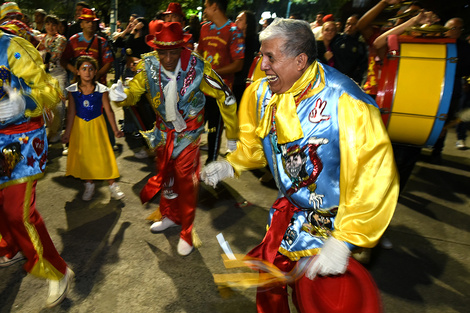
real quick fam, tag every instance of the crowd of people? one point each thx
(312, 121)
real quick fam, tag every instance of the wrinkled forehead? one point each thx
(273, 46)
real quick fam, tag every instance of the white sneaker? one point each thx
(65, 151)
(116, 192)
(5, 262)
(89, 191)
(142, 154)
(460, 144)
(59, 289)
(162, 225)
(184, 248)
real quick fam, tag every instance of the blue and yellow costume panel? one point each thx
(329, 153)
(23, 145)
(91, 155)
(196, 78)
(23, 139)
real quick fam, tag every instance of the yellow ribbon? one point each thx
(288, 127)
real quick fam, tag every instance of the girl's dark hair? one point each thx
(194, 27)
(251, 24)
(82, 59)
(66, 25)
(145, 28)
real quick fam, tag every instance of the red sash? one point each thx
(32, 124)
(154, 184)
(268, 248)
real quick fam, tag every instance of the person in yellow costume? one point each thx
(26, 91)
(328, 150)
(175, 80)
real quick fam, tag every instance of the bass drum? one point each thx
(255, 72)
(416, 87)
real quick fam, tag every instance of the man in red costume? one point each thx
(175, 80)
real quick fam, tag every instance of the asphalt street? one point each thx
(121, 266)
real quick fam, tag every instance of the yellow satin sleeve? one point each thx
(228, 112)
(26, 63)
(368, 176)
(137, 87)
(249, 154)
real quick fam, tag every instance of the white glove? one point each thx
(13, 106)
(116, 92)
(332, 260)
(216, 171)
(231, 145)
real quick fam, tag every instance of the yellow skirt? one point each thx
(90, 154)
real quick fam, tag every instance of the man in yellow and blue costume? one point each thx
(327, 148)
(26, 91)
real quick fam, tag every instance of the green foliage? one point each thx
(148, 9)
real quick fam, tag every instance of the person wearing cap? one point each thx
(324, 45)
(174, 13)
(88, 43)
(223, 45)
(39, 23)
(23, 143)
(176, 79)
(325, 143)
(18, 28)
(51, 46)
(10, 11)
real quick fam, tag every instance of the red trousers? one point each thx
(23, 229)
(180, 189)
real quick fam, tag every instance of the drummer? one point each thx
(405, 156)
(460, 96)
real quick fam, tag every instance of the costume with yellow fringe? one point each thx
(176, 135)
(331, 158)
(23, 148)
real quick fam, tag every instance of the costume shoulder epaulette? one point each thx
(151, 53)
(197, 55)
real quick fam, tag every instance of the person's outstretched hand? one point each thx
(116, 92)
(216, 171)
